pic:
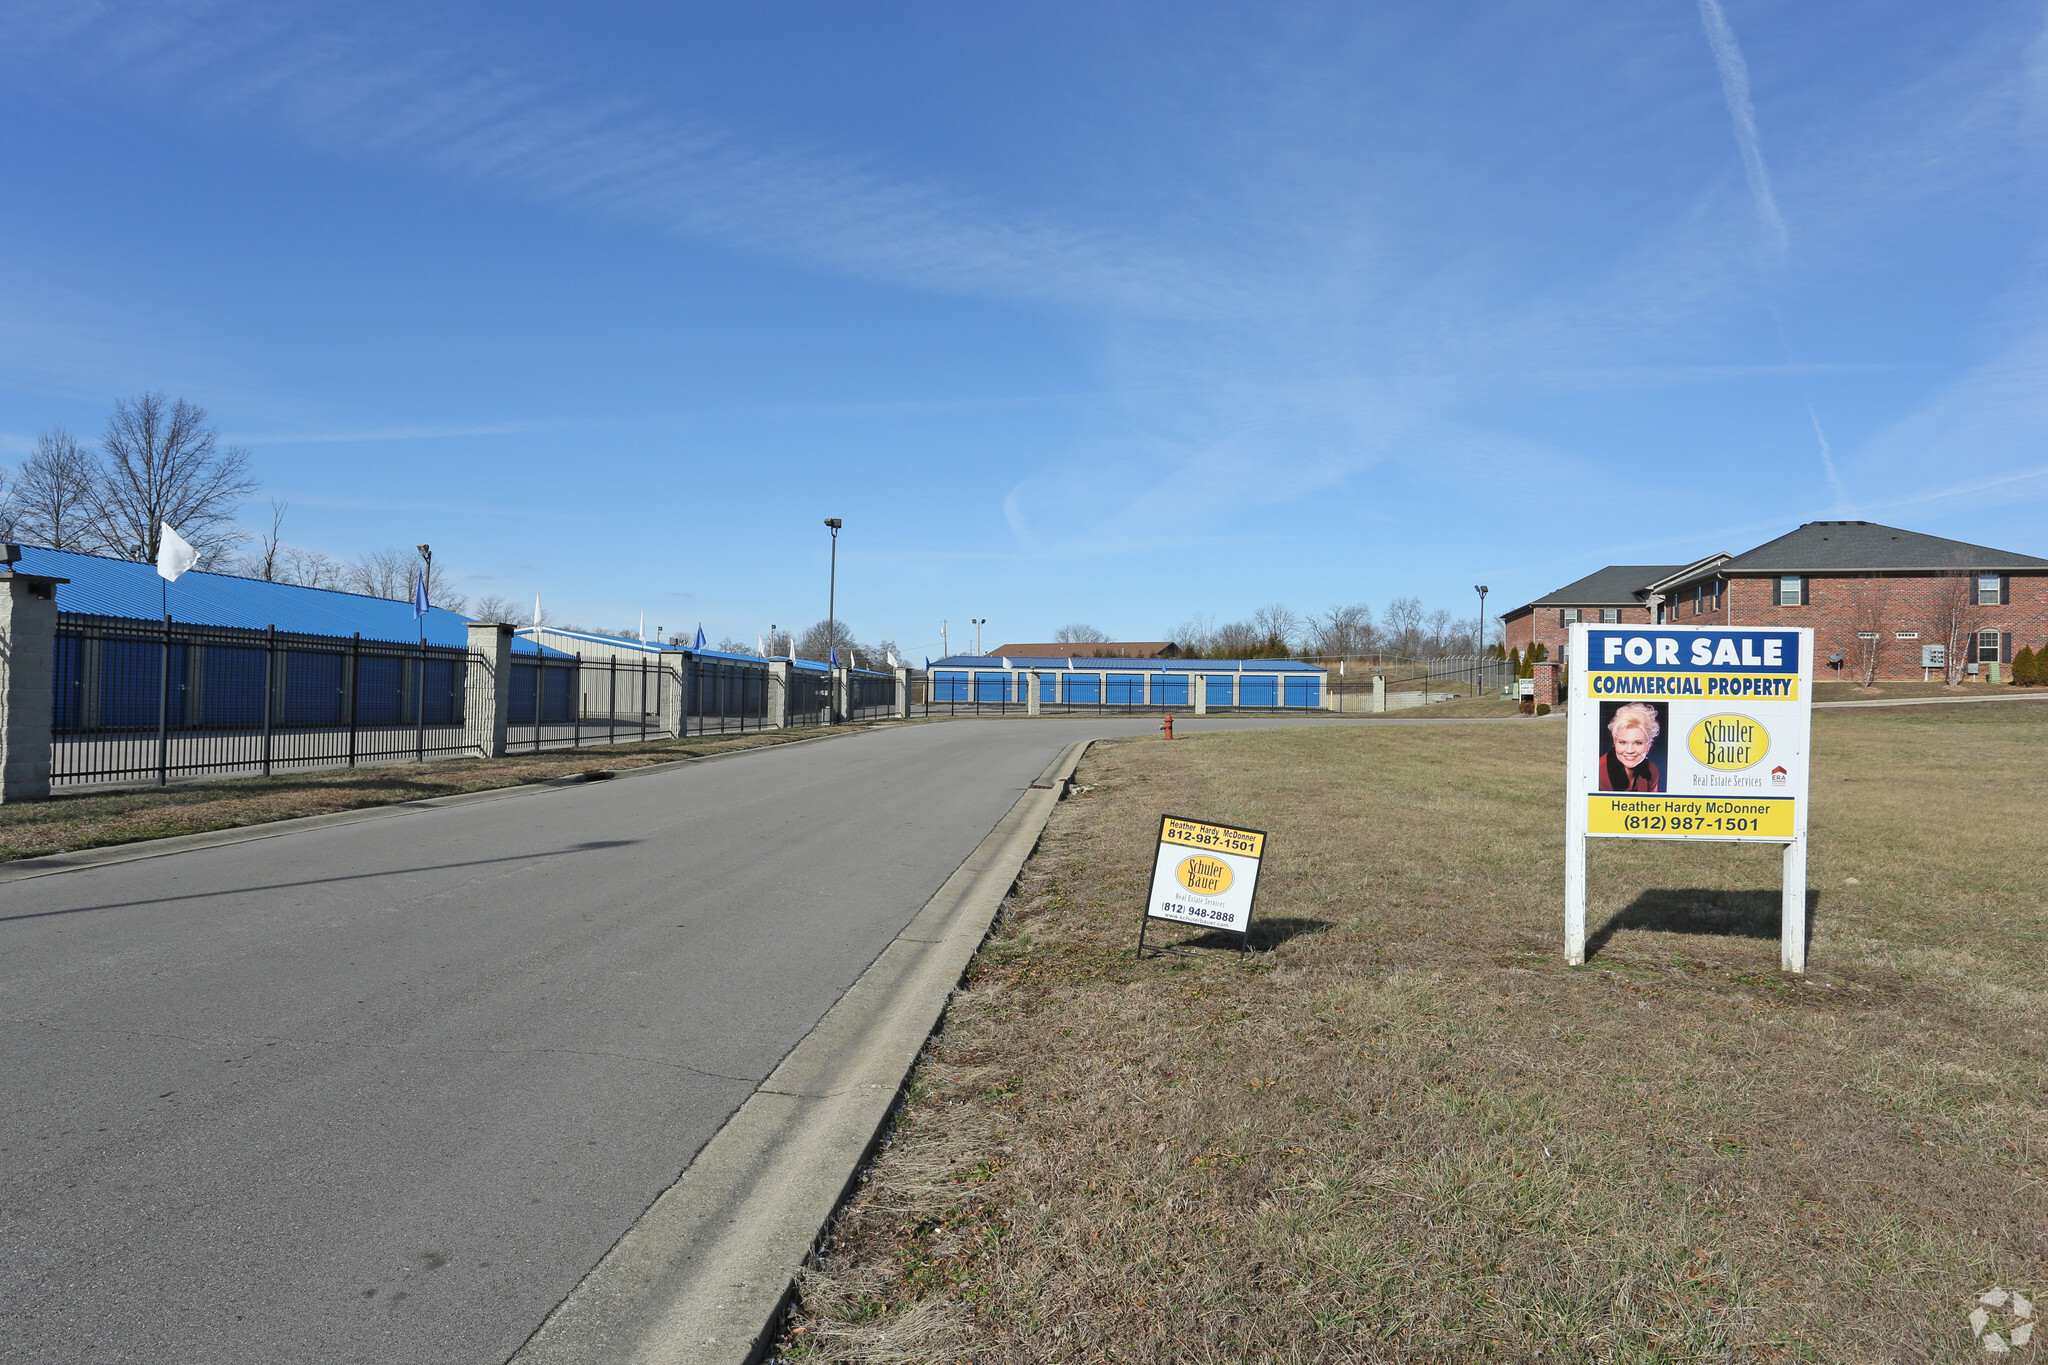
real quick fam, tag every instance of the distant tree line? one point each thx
(1279, 632)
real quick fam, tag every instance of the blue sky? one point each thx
(1113, 313)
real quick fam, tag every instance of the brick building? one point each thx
(1874, 595)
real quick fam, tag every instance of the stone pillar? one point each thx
(673, 682)
(1237, 688)
(1546, 683)
(28, 680)
(1031, 693)
(903, 694)
(1200, 682)
(487, 705)
(1379, 692)
(778, 693)
(835, 705)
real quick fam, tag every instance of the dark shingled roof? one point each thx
(1866, 547)
(1614, 586)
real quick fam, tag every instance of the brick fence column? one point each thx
(488, 701)
(674, 682)
(1546, 682)
(903, 694)
(28, 680)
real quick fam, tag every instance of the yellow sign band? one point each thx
(1213, 838)
(1698, 817)
(1705, 686)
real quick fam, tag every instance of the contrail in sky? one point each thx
(1827, 459)
(1735, 85)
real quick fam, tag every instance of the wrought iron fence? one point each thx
(809, 700)
(725, 694)
(870, 696)
(560, 703)
(138, 701)
(1107, 692)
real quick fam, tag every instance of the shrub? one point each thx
(2026, 667)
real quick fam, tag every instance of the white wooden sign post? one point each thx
(1689, 733)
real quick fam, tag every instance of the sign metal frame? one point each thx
(1721, 692)
(1231, 849)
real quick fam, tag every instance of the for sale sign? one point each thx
(1205, 874)
(1692, 732)
(1689, 732)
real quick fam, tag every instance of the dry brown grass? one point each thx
(88, 820)
(1406, 1131)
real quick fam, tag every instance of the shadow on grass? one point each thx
(1696, 910)
(1265, 935)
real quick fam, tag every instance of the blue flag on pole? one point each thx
(700, 636)
(835, 656)
(419, 598)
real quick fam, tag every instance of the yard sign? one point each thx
(1690, 733)
(1204, 874)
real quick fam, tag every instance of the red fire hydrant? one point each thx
(1168, 727)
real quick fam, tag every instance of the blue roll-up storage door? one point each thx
(1127, 689)
(558, 697)
(1169, 689)
(1082, 689)
(525, 687)
(991, 687)
(1258, 691)
(440, 691)
(68, 699)
(232, 697)
(1219, 689)
(949, 687)
(129, 676)
(312, 688)
(1303, 691)
(1048, 687)
(380, 693)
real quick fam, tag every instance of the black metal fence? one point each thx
(145, 701)
(725, 694)
(810, 697)
(870, 696)
(560, 703)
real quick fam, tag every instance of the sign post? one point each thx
(1204, 874)
(1689, 733)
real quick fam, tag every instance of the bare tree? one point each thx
(1196, 635)
(1953, 599)
(392, 573)
(52, 497)
(1278, 627)
(1341, 632)
(1236, 640)
(308, 568)
(1872, 614)
(1078, 633)
(164, 464)
(1404, 624)
(818, 642)
(264, 562)
(495, 608)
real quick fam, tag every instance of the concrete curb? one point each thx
(50, 864)
(704, 1274)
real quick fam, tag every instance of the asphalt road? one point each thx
(385, 1092)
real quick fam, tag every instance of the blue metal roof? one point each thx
(1057, 664)
(119, 587)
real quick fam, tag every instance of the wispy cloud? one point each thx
(374, 434)
(408, 97)
(1735, 88)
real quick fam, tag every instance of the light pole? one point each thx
(419, 711)
(979, 622)
(771, 639)
(945, 648)
(832, 591)
(1479, 652)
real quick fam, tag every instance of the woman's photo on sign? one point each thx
(1632, 746)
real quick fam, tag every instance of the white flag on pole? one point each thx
(173, 554)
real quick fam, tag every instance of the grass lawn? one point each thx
(1404, 1130)
(88, 820)
(1830, 689)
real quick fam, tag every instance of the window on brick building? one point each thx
(1791, 590)
(1568, 616)
(1987, 647)
(1610, 616)
(1990, 590)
